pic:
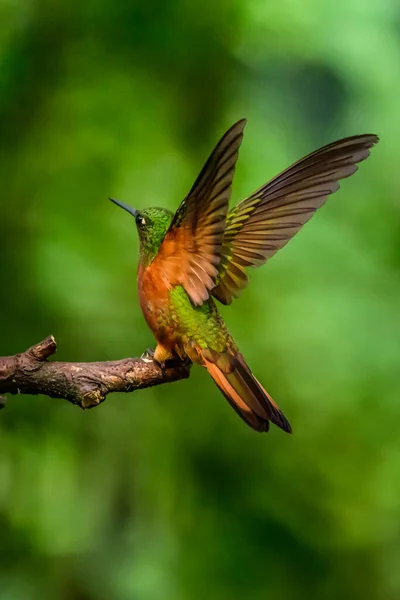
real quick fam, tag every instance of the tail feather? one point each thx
(243, 392)
(244, 411)
(277, 417)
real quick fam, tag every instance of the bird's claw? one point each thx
(148, 356)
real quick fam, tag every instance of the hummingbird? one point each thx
(200, 255)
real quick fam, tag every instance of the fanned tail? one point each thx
(242, 390)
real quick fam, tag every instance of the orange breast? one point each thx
(153, 291)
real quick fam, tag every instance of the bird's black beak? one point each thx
(126, 207)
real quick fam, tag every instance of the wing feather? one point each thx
(265, 221)
(191, 250)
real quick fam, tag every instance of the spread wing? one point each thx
(261, 224)
(191, 250)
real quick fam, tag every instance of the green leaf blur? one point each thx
(165, 494)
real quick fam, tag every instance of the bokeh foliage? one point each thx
(165, 494)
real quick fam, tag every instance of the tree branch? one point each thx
(84, 384)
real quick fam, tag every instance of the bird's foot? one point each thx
(177, 362)
(169, 363)
(148, 356)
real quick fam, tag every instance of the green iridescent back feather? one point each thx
(202, 324)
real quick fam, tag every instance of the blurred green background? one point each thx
(165, 493)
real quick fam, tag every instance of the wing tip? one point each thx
(373, 138)
(237, 126)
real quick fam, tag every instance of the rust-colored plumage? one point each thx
(190, 253)
(203, 251)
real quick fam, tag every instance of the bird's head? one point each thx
(152, 225)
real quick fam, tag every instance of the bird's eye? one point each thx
(140, 220)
